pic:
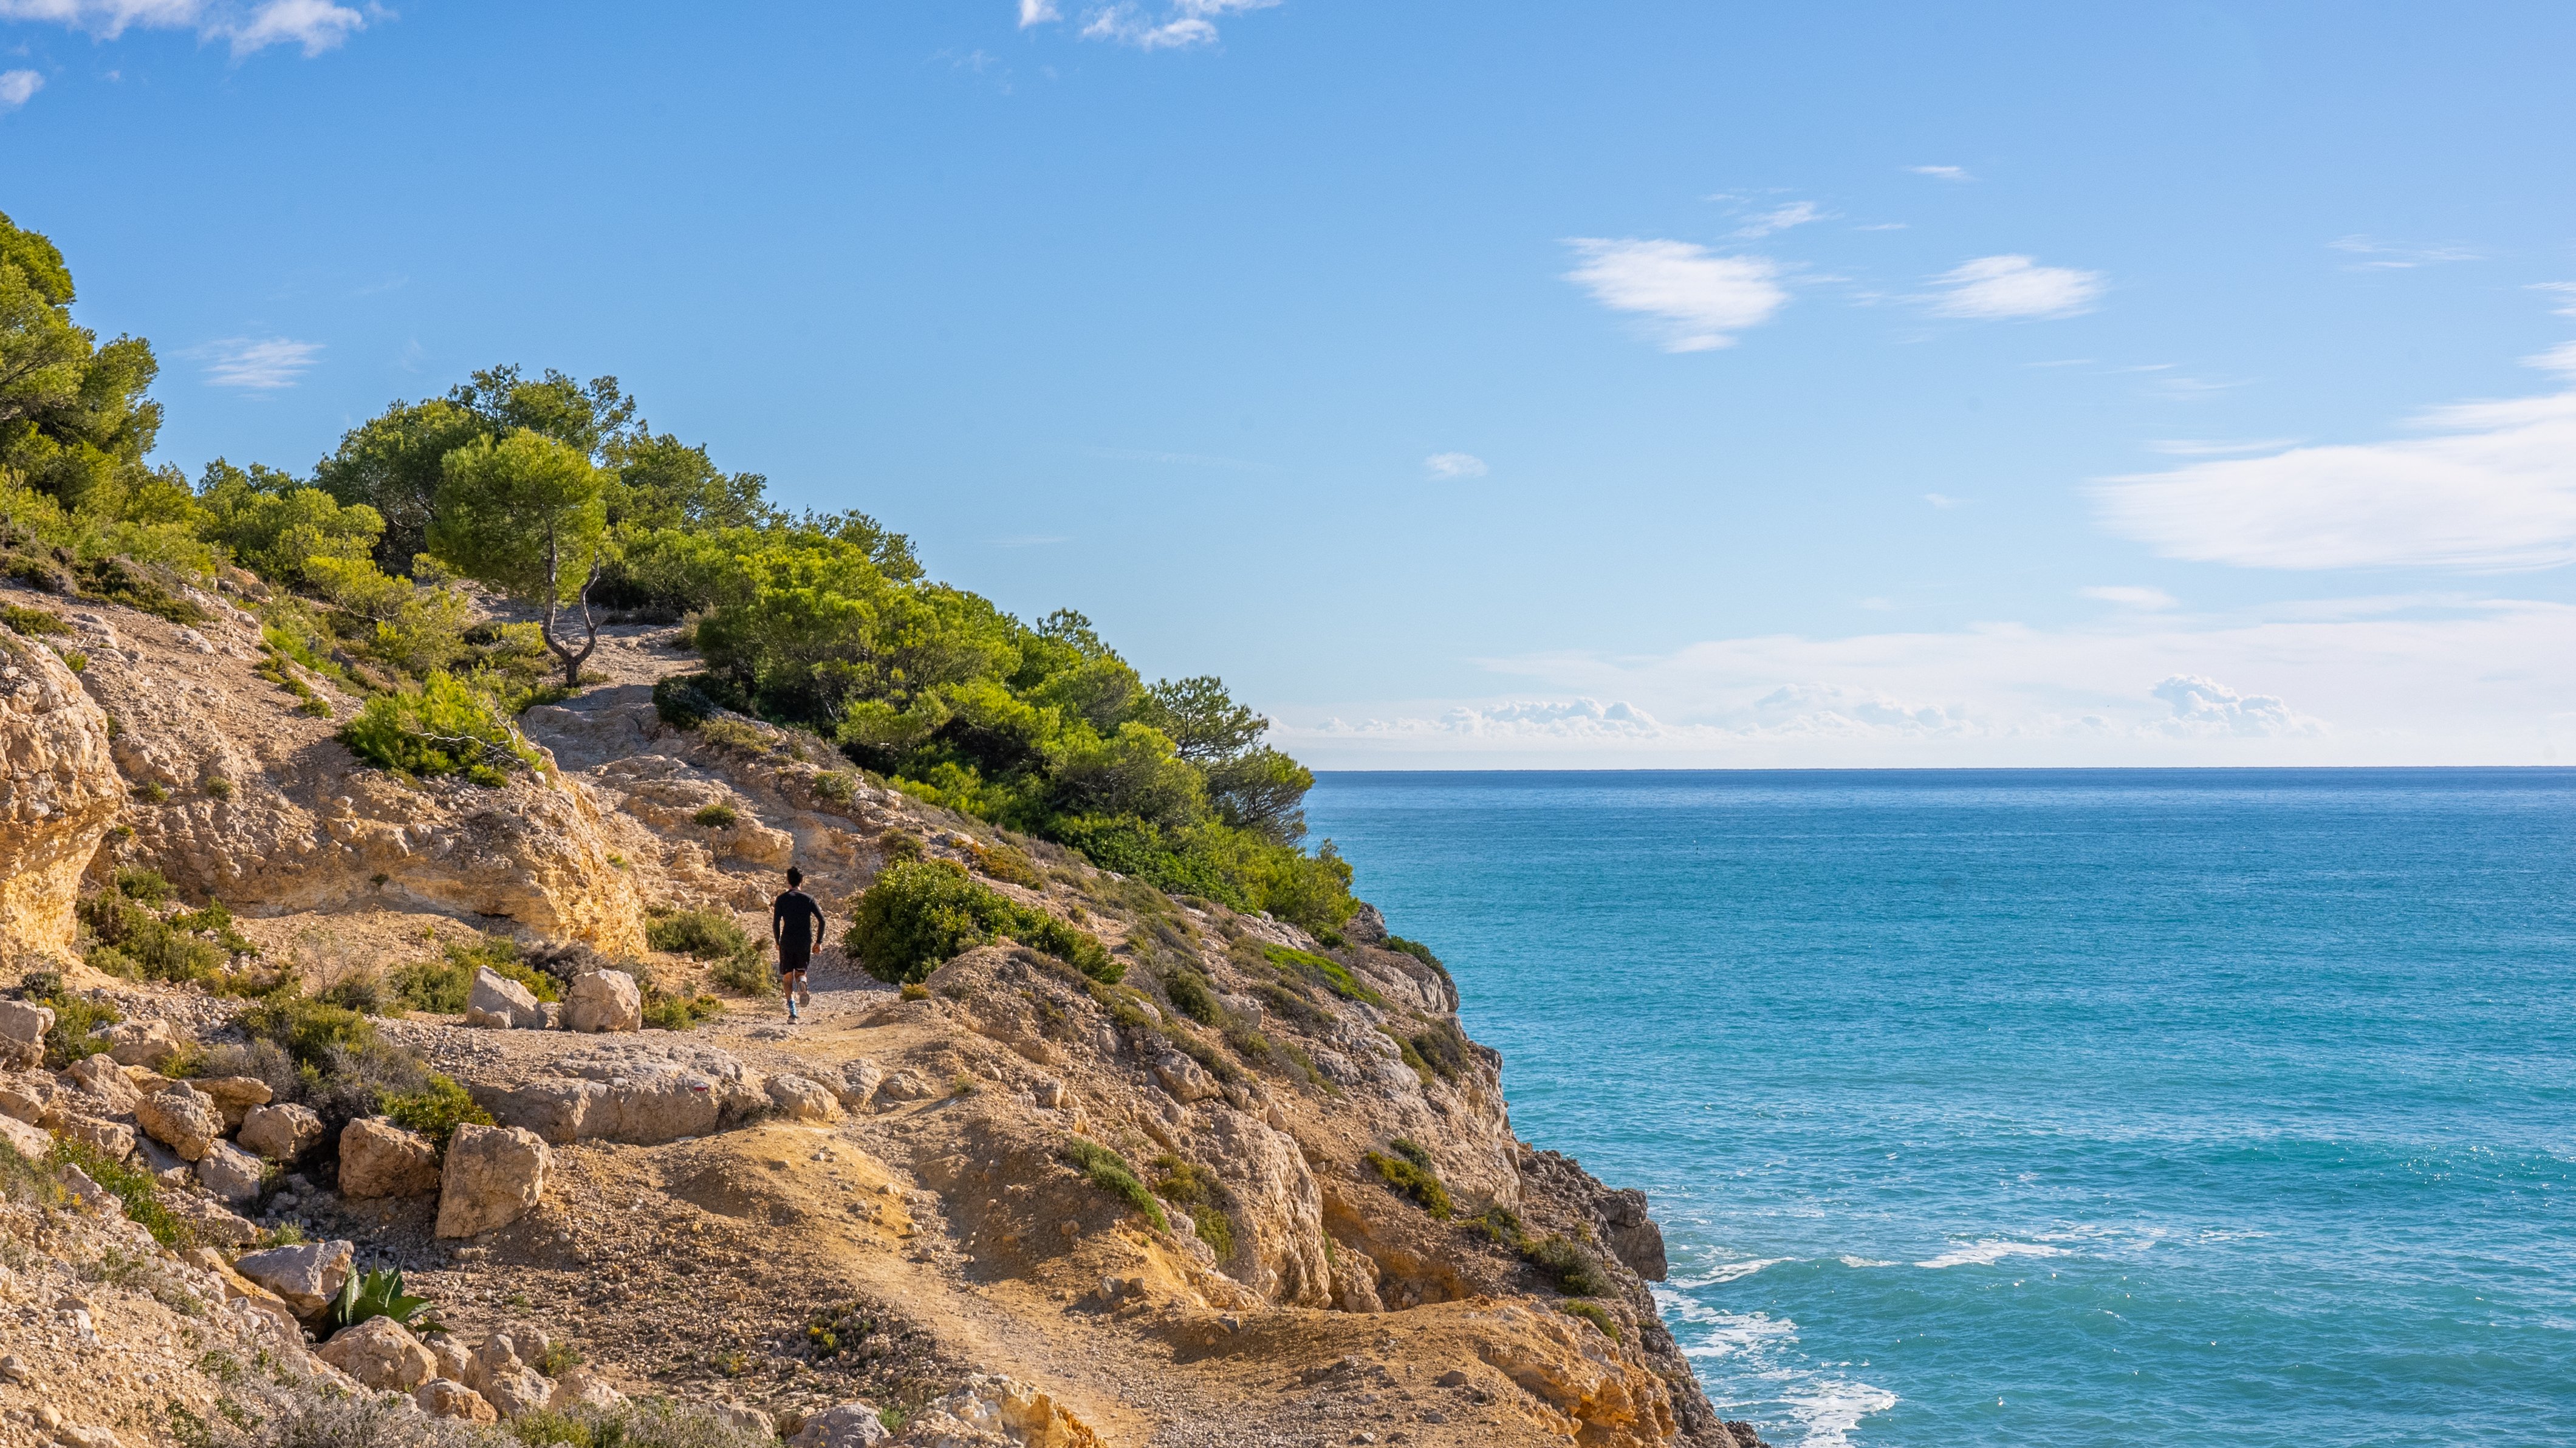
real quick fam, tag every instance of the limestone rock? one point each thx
(500, 1002)
(307, 1276)
(857, 1084)
(446, 1398)
(454, 1361)
(905, 1086)
(990, 1408)
(516, 1390)
(22, 1034)
(71, 1436)
(745, 1419)
(1277, 1208)
(380, 1159)
(849, 1425)
(59, 791)
(28, 1098)
(231, 1173)
(643, 1094)
(111, 1139)
(30, 1142)
(1633, 1236)
(99, 1076)
(149, 1044)
(183, 1118)
(604, 1000)
(209, 1221)
(1184, 1079)
(93, 1198)
(380, 1353)
(494, 1175)
(802, 1100)
(581, 1388)
(280, 1133)
(234, 1095)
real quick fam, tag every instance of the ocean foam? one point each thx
(1993, 1249)
(1729, 1271)
(1865, 1262)
(1829, 1409)
(1739, 1334)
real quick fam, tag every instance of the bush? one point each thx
(718, 816)
(683, 701)
(1331, 975)
(706, 934)
(919, 914)
(445, 986)
(136, 1191)
(1196, 1190)
(651, 1423)
(665, 1011)
(449, 727)
(1592, 1312)
(1189, 994)
(1572, 1267)
(1410, 1173)
(32, 621)
(436, 1110)
(1110, 1172)
(745, 975)
(77, 1021)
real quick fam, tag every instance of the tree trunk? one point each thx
(572, 661)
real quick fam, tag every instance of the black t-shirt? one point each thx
(796, 922)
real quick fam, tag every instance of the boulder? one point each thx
(28, 1098)
(847, 1425)
(453, 1360)
(516, 1390)
(1184, 1080)
(1631, 1235)
(494, 1175)
(93, 1198)
(149, 1044)
(59, 791)
(989, 1408)
(380, 1353)
(22, 1034)
(581, 1388)
(630, 1092)
(604, 1000)
(166, 1166)
(183, 1118)
(209, 1221)
(232, 1174)
(280, 1133)
(234, 1095)
(745, 1419)
(500, 1003)
(447, 1398)
(307, 1276)
(31, 1142)
(802, 1100)
(380, 1159)
(101, 1077)
(857, 1084)
(905, 1086)
(111, 1139)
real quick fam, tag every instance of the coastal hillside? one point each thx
(371, 905)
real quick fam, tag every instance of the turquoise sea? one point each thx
(2046, 1108)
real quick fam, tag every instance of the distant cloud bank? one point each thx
(1176, 26)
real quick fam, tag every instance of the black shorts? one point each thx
(789, 963)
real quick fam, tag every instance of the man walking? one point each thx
(795, 923)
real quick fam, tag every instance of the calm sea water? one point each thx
(2053, 1109)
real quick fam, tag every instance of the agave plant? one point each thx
(379, 1294)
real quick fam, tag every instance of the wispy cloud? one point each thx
(1781, 218)
(1454, 465)
(1697, 300)
(2183, 447)
(2566, 292)
(1175, 25)
(2014, 286)
(17, 87)
(1942, 173)
(314, 25)
(2130, 596)
(2494, 488)
(2389, 256)
(256, 365)
(1944, 500)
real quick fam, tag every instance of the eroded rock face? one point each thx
(59, 791)
(281, 1133)
(990, 1408)
(149, 1044)
(181, 1118)
(494, 1175)
(847, 1425)
(380, 1159)
(634, 1093)
(1278, 1210)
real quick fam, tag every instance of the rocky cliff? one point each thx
(1262, 1189)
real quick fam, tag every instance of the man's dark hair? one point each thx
(795, 877)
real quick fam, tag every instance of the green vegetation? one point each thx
(1109, 1171)
(1594, 1313)
(435, 1110)
(77, 1019)
(650, 1423)
(32, 621)
(706, 934)
(918, 914)
(1575, 1269)
(133, 1189)
(1409, 1172)
(1330, 974)
(378, 1294)
(445, 985)
(446, 727)
(717, 816)
(1196, 1190)
(746, 974)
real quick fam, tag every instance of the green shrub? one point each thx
(134, 1190)
(1331, 975)
(32, 622)
(648, 1423)
(1189, 994)
(706, 934)
(379, 1294)
(1006, 864)
(746, 974)
(739, 736)
(77, 1021)
(718, 816)
(449, 727)
(444, 986)
(836, 785)
(1413, 1178)
(1197, 1191)
(919, 914)
(1592, 1312)
(308, 1029)
(1575, 1270)
(682, 700)
(436, 1110)
(665, 1011)
(1109, 1171)
(1418, 951)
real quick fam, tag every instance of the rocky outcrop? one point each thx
(380, 1353)
(380, 1159)
(59, 792)
(181, 1118)
(640, 1094)
(844, 1425)
(604, 1000)
(494, 1174)
(22, 1034)
(501, 1003)
(280, 1133)
(306, 1276)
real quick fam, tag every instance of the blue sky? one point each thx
(1469, 385)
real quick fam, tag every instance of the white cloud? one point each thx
(1454, 465)
(2565, 290)
(1796, 213)
(1698, 300)
(2493, 489)
(1942, 173)
(1944, 501)
(2408, 680)
(1176, 26)
(316, 25)
(1037, 12)
(256, 365)
(2015, 286)
(2183, 447)
(2381, 256)
(2130, 596)
(17, 86)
